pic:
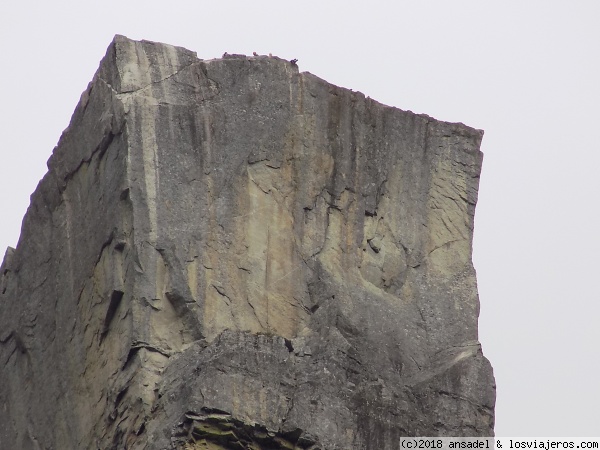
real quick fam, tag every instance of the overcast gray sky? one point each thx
(527, 72)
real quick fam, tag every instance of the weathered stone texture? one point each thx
(229, 252)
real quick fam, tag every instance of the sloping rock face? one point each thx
(232, 254)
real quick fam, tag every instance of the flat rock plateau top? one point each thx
(232, 254)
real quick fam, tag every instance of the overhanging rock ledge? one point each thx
(229, 253)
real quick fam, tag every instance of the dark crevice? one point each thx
(373, 246)
(115, 301)
(132, 352)
(214, 411)
(105, 244)
(100, 149)
(120, 395)
(289, 345)
(4, 339)
(141, 429)
(222, 293)
(104, 144)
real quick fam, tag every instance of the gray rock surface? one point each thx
(229, 253)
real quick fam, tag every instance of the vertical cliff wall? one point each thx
(228, 253)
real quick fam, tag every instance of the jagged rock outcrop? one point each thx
(229, 253)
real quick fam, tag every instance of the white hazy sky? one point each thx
(527, 72)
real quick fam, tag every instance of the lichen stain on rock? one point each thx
(220, 431)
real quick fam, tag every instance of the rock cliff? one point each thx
(230, 253)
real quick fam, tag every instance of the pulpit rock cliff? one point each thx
(234, 254)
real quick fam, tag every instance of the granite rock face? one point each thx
(229, 253)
